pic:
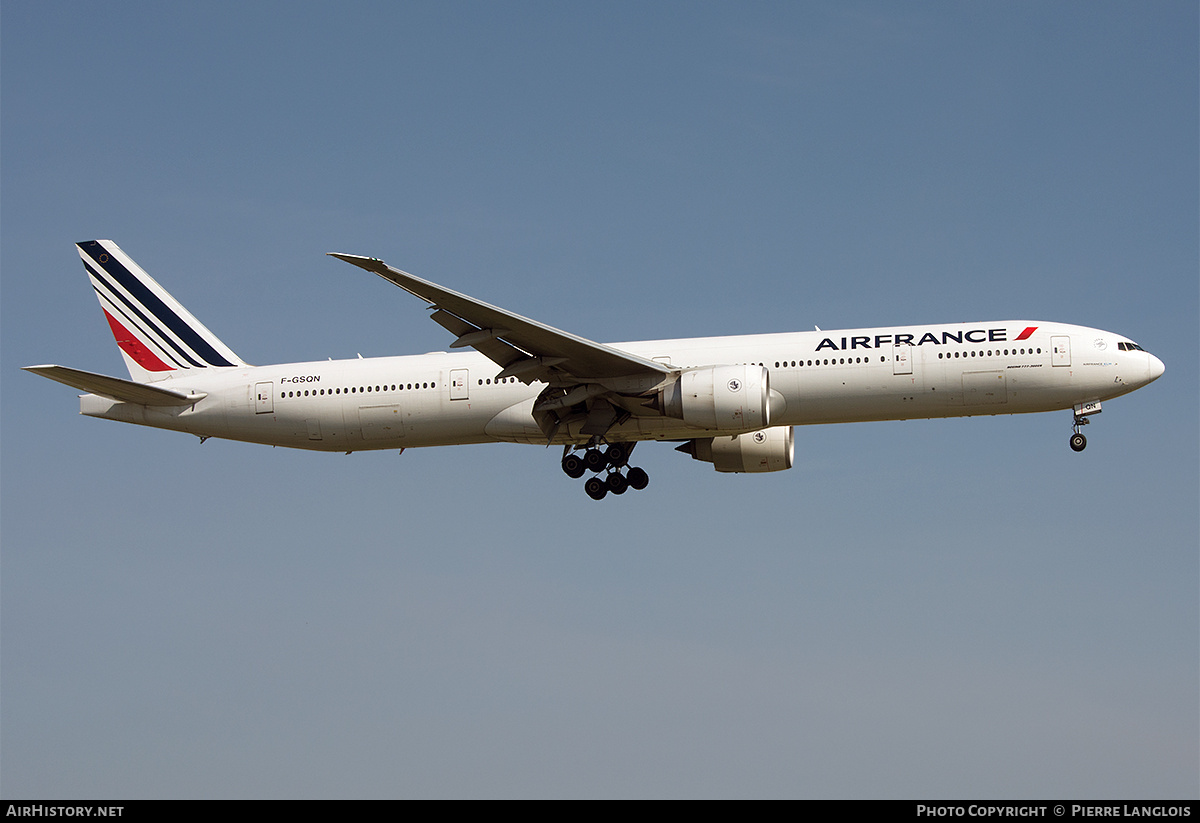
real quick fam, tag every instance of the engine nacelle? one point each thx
(720, 398)
(766, 450)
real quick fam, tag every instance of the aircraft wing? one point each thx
(114, 387)
(523, 348)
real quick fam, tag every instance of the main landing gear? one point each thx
(1078, 441)
(611, 459)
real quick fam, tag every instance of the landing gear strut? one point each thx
(611, 460)
(1078, 441)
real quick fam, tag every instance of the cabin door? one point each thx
(458, 384)
(1060, 351)
(263, 402)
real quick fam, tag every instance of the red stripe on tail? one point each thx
(1025, 334)
(135, 348)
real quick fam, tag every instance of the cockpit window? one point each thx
(1123, 346)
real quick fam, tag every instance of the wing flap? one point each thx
(115, 387)
(484, 342)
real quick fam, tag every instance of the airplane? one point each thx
(729, 401)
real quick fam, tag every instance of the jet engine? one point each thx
(766, 450)
(721, 398)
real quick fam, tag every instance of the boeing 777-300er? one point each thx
(728, 401)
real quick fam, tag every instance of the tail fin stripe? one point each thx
(138, 290)
(128, 321)
(135, 348)
(147, 324)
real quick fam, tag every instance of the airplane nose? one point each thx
(1154, 369)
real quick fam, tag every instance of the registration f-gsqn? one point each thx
(728, 401)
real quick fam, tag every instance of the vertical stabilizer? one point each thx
(157, 336)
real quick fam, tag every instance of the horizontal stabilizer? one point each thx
(124, 390)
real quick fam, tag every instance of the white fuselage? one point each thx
(1006, 367)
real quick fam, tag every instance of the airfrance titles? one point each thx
(902, 339)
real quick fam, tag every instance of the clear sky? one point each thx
(959, 608)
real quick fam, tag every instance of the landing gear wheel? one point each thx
(572, 464)
(594, 460)
(617, 454)
(638, 479)
(595, 488)
(1078, 442)
(617, 484)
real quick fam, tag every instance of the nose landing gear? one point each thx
(1078, 441)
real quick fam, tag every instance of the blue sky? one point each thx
(959, 608)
